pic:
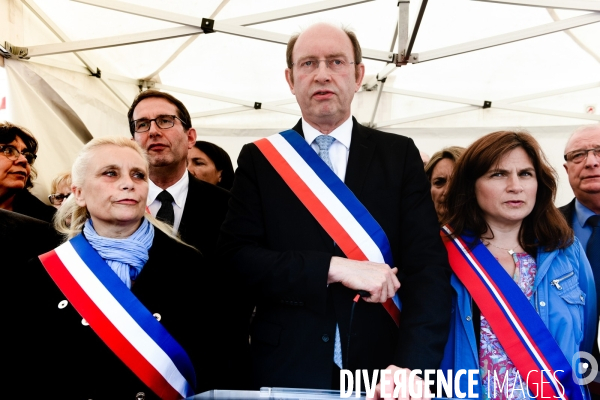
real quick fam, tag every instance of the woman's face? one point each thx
(13, 174)
(114, 190)
(506, 193)
(440, 178)
(202, 167)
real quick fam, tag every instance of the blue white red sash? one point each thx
(119, 319)
(330, 201)
(519, 328)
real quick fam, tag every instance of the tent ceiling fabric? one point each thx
(546, 81)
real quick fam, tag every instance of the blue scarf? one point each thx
(126, 257)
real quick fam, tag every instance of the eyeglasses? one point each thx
(57, 198)
(335, 65)
(12, 153)
(162, 121)
(578, 156)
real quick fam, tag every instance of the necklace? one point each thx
(510, 251)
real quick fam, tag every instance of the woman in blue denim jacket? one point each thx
(501, 198)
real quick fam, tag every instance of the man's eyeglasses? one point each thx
(162, 121)
(57, 198)
(335, 65)
(13, 154)
(577, 156)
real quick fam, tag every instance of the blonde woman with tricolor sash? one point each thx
(524, 291)
(116, 309)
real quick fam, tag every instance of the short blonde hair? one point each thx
(64, 177)
(70, 218)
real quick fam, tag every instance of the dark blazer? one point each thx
(23, 237)
(283, 255)
(568, 211)
(27, 204)
(204, 212)
(53, 355)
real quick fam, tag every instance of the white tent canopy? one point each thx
(475, 67)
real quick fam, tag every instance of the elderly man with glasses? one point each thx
(582, 163)
(325, 223)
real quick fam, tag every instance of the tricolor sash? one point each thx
(120, 319)
(516, 324)
(330, 201)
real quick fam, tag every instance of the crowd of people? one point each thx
(159, 273)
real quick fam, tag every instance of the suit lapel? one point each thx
(362, 150)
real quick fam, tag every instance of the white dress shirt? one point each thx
(339, 150)
(179, 192)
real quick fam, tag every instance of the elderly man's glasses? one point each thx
(12, 153)
(310, 65)
(162, 121)
(58, 198)
(577, 156)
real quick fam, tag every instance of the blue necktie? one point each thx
(325, 142)
(593, 250)
(593, 255)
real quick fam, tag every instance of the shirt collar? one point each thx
(342, 133)
(177, 190)
(582, 213)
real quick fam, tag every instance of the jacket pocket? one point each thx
(575, 302)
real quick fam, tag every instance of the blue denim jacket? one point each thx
(567, 307)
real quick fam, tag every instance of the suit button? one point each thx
(140, 396)
(63, 304)
(325, 338)
(84, 322)
(157, 316)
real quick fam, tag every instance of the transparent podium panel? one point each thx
(275, 394)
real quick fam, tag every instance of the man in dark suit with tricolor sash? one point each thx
(325, 223)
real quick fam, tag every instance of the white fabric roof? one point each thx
(547, 84)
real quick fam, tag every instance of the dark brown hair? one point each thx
(182, 112)
(351, 35)
(9, 132)
(221, 160)
(544, 226)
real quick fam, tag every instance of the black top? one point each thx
(50, 353)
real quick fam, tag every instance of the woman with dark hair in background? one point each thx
(524, 292)
(210, 163)
(18, 150)
(439, 171)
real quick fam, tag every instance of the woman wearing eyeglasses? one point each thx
(17, 155)
(60, 189)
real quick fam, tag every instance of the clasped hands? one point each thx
(378, 279)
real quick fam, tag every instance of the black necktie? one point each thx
(166, 213)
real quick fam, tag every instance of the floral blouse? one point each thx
(493, 361)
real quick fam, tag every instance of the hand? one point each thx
(378, 279)
(404, 391)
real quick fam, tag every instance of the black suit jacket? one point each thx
(23, 237)
(204, 212)
(283, 254)
(51, 354)
(229, 313)
(568, 211)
